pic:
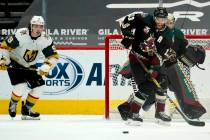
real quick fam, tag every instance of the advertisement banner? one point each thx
(81, 23)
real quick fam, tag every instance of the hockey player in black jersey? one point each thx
(171, 46)
(136, 29)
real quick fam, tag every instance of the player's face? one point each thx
(36, 30)
(160, 23)
(170, 24)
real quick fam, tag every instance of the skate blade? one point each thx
(29, 118)
(133, 123)
(12, 118)
(163, 123)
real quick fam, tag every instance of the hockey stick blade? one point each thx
(190, 122)
(196, 123)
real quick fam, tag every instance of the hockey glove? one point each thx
(170, 55)
(4, 59)
(153, 74)
(3, 67)
(44, 70)
(146, 30)
(4, 63)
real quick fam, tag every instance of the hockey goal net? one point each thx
(118, 88)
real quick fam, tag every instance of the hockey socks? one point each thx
(13, 104)
(27, 113)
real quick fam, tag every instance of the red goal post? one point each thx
(112, 44)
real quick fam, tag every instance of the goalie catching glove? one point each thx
(194, 55)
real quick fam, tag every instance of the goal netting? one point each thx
(118, 89)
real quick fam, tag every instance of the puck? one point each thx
(125, 132)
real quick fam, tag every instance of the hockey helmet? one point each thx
(170, 17)
(38, 20)
(160, 12)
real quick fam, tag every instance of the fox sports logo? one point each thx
(64, 77)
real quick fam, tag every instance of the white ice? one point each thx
(74, 127)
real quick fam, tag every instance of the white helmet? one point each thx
(170, 17)
(38, 20)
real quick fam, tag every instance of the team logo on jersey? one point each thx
(30, 55)
(64, 77)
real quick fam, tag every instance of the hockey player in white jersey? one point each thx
(19, 54)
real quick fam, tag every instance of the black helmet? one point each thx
(160, 12)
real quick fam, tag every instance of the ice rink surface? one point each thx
(74, 127)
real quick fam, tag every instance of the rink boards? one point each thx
(76, 84)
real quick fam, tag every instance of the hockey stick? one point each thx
(191, 122)
(27, 69)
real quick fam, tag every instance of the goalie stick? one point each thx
(189, 121)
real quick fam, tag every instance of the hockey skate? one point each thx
(135, 120)
(124, 112)
(28, 114)
(12, 109)
(162, 118)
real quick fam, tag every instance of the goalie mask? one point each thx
(170, 21)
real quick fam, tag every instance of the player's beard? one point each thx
(160, 26)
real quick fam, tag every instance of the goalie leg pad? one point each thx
(186, 97)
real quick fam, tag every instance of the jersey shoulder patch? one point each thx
(21, 32)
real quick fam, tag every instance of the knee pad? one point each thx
(36, 92)
(21, 89)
